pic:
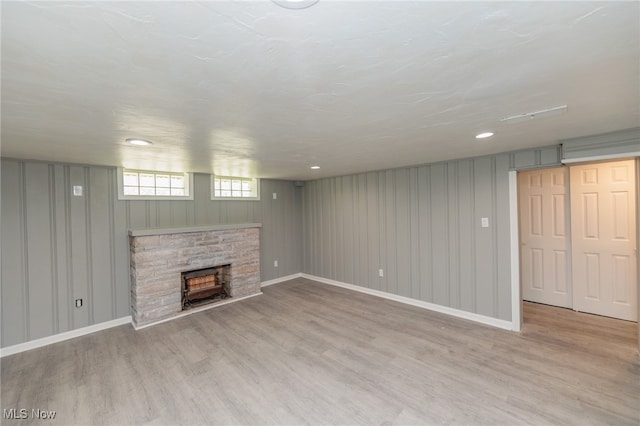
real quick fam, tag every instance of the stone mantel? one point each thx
(187, 229)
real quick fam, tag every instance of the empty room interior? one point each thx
(319, 212)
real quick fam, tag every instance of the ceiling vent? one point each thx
(536, 114)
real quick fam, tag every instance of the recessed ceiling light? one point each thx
(484, 135)
(315, 167)
(139, 142)
(295, 4)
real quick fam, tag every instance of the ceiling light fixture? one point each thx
(315, 167)
(484, 135)
(536, 114)
(138, 142)
(295, 4)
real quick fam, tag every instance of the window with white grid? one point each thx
(234, 188)
(153, 185)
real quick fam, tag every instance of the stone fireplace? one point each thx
(222, 263)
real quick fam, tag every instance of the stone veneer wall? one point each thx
(158, 260)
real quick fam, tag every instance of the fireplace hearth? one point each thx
(205, 285)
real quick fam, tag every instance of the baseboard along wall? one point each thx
(495, 322)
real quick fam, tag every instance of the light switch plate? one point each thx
(485, 222)
(77, 190)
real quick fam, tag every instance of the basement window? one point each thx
(234, 188)
(154, 185)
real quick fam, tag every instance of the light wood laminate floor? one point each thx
(309, 353)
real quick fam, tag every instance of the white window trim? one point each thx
(188, 187)
(256, 182)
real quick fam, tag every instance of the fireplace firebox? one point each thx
(205, 285)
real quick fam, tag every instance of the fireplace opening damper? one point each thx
(205, 285)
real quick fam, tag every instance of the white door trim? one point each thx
(516, 298)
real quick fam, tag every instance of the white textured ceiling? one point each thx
(250, 88)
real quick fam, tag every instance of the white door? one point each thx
(543, 224)
(603, 228)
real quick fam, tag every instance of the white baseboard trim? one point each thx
(196, 310)
(281, 279)
(495, 322)
(60, 337)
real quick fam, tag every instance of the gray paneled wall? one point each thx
(57, 248)
(422, 227)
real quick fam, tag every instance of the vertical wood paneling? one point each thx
(467, 221)
(317, 229)
(80, 261)
(62, 249)
(293, 245)
(325, 236)
(120, 252)
(281, 225)
(383, 282)
(163, 213)
(13, 295)
(424, 234)
(503, 278)
(55, 320)
(152, 213)
(284, 197)
(39, 265)
(389, 253)
(422, 226)
(137, 214)
(307, 222)
(267, 236)
(373, 230)
(329, 225)
(101, 230)
(484, 241)
(317, 236)
(414, 233)
(58, 247)
(453, 234)
(314, 227)
(349, 227)
(363, 235)
(403, 239)
(296, 246)
(338, 212)
(439, 234)
(201, 197)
